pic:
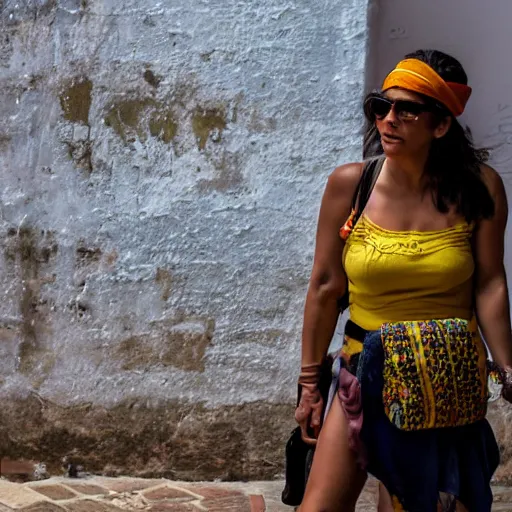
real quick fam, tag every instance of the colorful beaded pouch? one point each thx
(435, 373)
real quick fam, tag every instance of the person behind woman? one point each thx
(425, 254)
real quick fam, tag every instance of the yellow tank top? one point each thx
(408, 275)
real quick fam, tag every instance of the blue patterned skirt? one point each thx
(422, 468)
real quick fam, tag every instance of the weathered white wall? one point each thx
(161, 168)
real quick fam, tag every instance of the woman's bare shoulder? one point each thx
(492, 179)
(344, 179)
(339, 191)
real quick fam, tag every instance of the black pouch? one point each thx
(298, 454)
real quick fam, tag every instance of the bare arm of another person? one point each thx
(492, 303)
(326, 286)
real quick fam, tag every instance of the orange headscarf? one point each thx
(414, 75)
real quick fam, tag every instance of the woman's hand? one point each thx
(309, 412)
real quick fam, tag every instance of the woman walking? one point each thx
(423, 265)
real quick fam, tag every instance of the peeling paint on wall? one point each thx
(164, 279)
(76, 99)
(30, 251)
(151, 78)
(140, 117)
(182, 345)
(125, 118)
(208, 123)
(4, 141)
(159, 198)
(162, 125)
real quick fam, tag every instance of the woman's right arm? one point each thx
(327, 284)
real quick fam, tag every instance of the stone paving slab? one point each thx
(56, 492)
(43, 507)
(102, 494)
(18, 496)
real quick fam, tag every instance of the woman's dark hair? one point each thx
(454, 164)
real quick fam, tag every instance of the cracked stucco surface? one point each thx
(161, 171)
(161, 168)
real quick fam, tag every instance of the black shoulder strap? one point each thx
(371, 171)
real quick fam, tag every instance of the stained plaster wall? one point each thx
(161, 168)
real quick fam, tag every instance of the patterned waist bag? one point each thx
(435, 373)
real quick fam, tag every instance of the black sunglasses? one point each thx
(378, 107)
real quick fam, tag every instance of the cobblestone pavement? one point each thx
(100, 494)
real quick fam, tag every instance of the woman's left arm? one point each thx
(491, 300)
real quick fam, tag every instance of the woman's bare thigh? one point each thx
(335, 481)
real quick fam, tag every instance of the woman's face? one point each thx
(405, 135)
